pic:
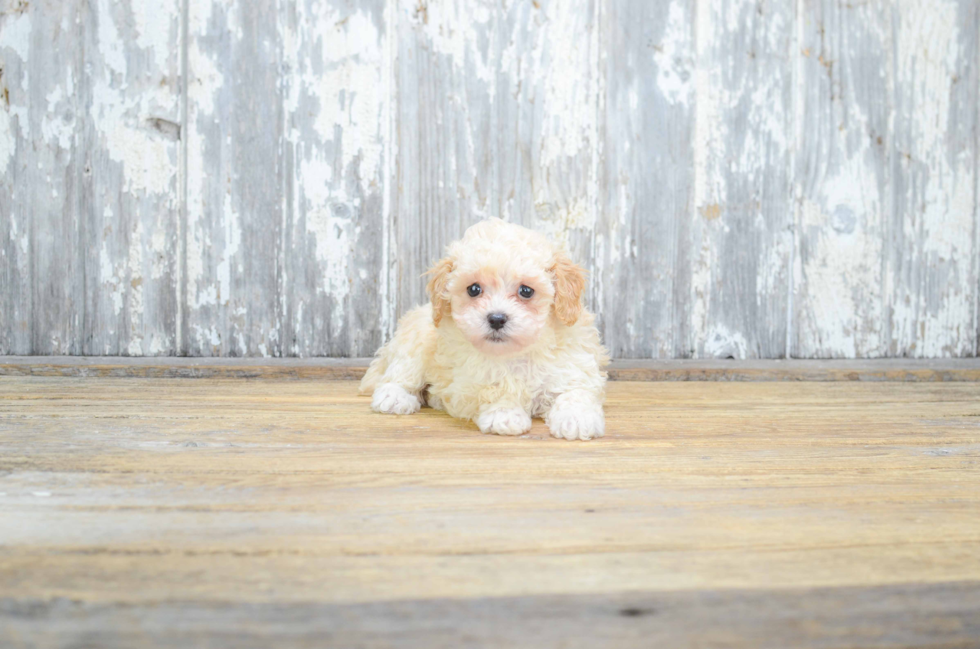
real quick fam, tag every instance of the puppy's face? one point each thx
(501, 284)
(500, 312)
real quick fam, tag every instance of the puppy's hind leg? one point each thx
(397, 376)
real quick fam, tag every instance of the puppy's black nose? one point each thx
(497, 320)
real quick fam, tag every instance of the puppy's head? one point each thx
(502, 284)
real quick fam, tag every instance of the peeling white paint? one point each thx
(559, 224)
(15, 34)
(146, 159)
(133, 287)
(673, 56)
(938, 204)
(720, 342)
(454, 28)
(842, 267)
(7, 142)
(160, 254)
(928, 48)
(154, 21)
(111, 45)
(208, 335)
(700, 295)
(110, 279)
(348, 89)
(559, 67)
(205, 80)
(333, 248)
(710, 135)
(341, 119)
(233, 239)
(159, 345)
(199, 16)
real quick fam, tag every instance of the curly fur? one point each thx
(546, 362)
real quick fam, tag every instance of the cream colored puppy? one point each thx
(504, 339)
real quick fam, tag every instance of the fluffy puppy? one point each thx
(505, 339)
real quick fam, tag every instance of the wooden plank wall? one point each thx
(744, 178)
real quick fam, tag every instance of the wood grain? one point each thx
(335, 151)
(934, 615)
(890, 97)
(843, 181)
(643, 279)
(843, 513)
(43, 286)
(741, 234)
(932, 270)
(744, 179)
(332, 369)
(232, 239)
(126, 170)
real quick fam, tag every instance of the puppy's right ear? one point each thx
(438, 289)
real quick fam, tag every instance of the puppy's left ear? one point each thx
(569, 281)
(438, 289)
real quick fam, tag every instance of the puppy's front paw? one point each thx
(504, 421)
(570, 420)
(393, 399)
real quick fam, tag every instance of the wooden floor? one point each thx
(282, 513)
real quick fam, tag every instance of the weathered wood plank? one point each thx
(904, 370)
(843, 180)
(930, 615)
(932, 274)
(16, 319)
(127, 169)
(545, 119)
(232, 267)
(445, 179)
(336, 134)
(42, 296)
(741, 230)
(333, 148)
(887, 178)
(718, 505)
(642, 283)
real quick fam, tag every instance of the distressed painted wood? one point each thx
(886, 179)
(332, 369)
(643, 281)
(762, 514)
(232, 263)
(17, 163)
(932, 272)
(335, 134)
(43, 289)
(127, 169)
(446, 72)
(743, 179)
(741, 228)
(843, 183)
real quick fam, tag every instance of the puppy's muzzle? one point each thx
(497, 321)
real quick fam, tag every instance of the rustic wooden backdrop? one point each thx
(747, 178)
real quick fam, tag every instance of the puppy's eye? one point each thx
(525, 292)
(473, 290)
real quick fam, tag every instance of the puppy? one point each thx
(505, 339)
